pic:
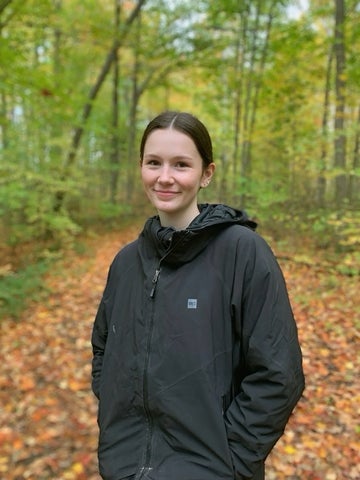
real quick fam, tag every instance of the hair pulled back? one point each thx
(186, 123)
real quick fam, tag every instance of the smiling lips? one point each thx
(165, 193)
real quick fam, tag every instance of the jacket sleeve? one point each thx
(98, 342)
(99, 336)
(272, 379)
(100, 328)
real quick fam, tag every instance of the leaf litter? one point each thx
(48, 413)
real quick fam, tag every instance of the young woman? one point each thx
(197, 364)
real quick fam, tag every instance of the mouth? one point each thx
(165, 193)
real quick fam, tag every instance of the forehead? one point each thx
(171, 141)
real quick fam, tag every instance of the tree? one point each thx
(87, 108)
(3, 5)
(321, 180)
(340, 86)
(115, 143)
(75, 94)
(354, 180)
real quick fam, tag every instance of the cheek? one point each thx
(145, 177)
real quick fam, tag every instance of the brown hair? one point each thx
(186, 123)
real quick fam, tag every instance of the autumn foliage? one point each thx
(48, 424)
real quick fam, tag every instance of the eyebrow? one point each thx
(177, 157)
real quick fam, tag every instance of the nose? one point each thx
(165, 175)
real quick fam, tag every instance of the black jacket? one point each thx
(196, 363)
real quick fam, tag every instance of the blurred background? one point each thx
(277, 82)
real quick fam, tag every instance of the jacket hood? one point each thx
(176, 247)
(216, 214)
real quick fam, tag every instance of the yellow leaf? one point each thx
(290, 450)
(78, 468)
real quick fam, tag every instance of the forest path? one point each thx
(48, 424)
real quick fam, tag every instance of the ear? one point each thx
(207, 175)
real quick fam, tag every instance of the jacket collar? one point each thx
(176, 247)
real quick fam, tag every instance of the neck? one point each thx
(179, 222)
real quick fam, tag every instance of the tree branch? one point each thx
(3, 5)
(79, 130)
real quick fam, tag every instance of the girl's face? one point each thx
(172, 172)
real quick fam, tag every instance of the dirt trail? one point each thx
(48, 414)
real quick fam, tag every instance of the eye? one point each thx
(181, 164)
(152, 162)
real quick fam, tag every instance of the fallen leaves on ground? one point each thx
(48, 414)
(322, 439)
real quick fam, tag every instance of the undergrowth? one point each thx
(18, 288)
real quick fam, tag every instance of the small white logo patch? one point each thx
(192, 303)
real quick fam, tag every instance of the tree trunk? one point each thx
(321, 180)
(4, 4)
(253, 89)
(57, 125)
(249, 96)
(3, 128)
(115, 138)
(340, 85)
(79, 130)
(354, 181)
(237, 115)
(3, 113)
(259, 79)
(57, 44)
(133, 114)
(241, 47)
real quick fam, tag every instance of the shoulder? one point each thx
(126, 253)
(121, 266)
(243, 236)
(247, 247)
(124, 259)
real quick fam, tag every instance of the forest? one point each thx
(277, 83)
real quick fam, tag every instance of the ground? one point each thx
(48, 424)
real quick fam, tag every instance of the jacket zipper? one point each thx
(149, 420)
(158, 270)
(150, 423)
(154, 281)
(150, 426)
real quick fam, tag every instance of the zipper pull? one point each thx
(154, 281)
